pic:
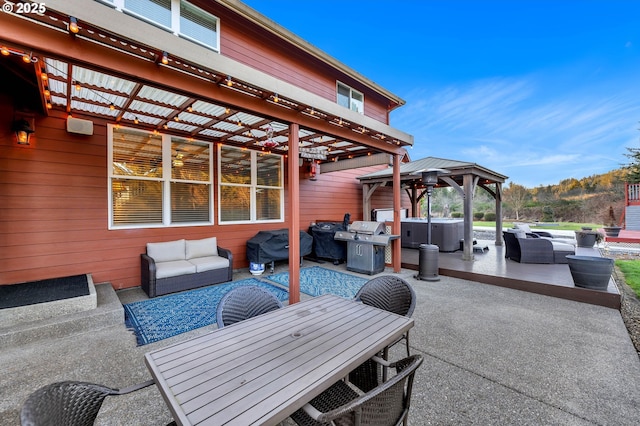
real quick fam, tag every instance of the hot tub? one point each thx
(445, 233)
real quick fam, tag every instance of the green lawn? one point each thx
(562, 226)
(631, 271)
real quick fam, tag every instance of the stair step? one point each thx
(107, 313)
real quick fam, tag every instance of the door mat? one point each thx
(166, 316)
(316, 281)
(49, 290)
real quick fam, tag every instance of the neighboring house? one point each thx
(156, 120)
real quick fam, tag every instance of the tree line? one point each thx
(586, 200)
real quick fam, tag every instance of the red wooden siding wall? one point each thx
(260, 49)
(54, 209)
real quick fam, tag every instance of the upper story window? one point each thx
(350, 98)
(251, 186)
(179, 16)
(158, 180)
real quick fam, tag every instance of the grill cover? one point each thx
(269, 246)
(324, 244)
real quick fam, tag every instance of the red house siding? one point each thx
(54, 209)
(258, 48)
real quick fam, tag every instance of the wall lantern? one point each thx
(23, 131)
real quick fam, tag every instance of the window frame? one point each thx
(166, 180)
(340, 84)
(174, 28)
(253, 188)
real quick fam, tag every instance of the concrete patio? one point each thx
(493, 356)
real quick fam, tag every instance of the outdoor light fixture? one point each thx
(26, 57)
(165, 58)
(23, 131)
(73, 25)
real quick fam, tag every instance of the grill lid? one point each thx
(366, 227)
(376, 240)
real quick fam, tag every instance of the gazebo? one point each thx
(461, 175)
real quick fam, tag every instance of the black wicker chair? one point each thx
(245, 302)
(393, 294)
(385, 405)
(69, 403)
(390, 293)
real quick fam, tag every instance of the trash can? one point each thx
(428, 263)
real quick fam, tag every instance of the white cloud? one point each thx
(525, 128)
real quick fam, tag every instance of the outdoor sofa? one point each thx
(172, 266)
(525, 249)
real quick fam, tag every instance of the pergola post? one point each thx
(294, 215)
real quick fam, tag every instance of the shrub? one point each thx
(457, 215)
(490, 217)
(478, 215)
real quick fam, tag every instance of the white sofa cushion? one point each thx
(209, 263)
(201, 248)
(166, 252)
(562, 246)
(174, 268)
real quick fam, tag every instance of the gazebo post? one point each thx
(498, 197)
(467, 184)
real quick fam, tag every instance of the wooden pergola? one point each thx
(463, 176)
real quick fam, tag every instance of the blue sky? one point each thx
(539, 91)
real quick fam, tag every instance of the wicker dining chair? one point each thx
(245, 302)
(390, 293)
(69, 403)
(385, 405)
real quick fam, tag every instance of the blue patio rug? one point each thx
(316, 281)
(166, 316)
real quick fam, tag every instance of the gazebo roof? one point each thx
(412, 171)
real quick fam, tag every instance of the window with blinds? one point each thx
(158, 180)
(158, 11)
(251, 186)
(198, 25)
(190, 181)
(180, 16)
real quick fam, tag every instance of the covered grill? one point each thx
(270, 246)
(325, 245)
(366, 242)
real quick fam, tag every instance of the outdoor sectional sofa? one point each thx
(172, 266)
(525, 249)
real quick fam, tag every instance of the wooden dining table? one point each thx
(261, 370)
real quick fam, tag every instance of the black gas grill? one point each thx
(366, 243)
